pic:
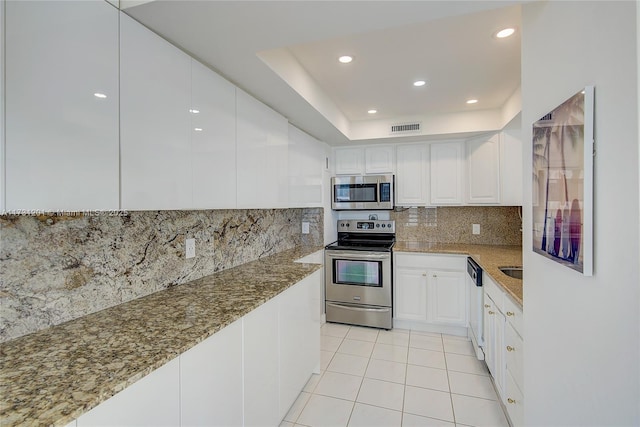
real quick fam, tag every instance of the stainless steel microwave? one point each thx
(371, 192)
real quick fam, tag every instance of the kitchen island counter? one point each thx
(53, 376)
(489, 257)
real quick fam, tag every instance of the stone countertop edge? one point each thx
(55, 375)
(489, 257)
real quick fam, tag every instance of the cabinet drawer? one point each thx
(495, 292)
(514, 350)
(514, 315)
(514, 401)
(436, 261)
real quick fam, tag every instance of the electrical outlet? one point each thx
(475, 229)
(305, 227)
(190, 248)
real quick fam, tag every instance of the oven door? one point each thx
(358, 277)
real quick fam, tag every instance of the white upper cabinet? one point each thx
(306, 167)
(349, 161)
(483, 170)
(364, 160)
(61, 139)
(378, 159)
(155, 87)
(262, 155)
(447, 173)
(213, 139)
(511, 167)
(412, 176)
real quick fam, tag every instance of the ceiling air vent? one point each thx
(405, 128)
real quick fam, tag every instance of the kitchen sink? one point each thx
(515, 272)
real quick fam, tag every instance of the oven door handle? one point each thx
(359, 255)
(350, 307)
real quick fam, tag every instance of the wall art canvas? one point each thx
(562, 198)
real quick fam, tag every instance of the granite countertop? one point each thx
(53, 376)
(489, 257)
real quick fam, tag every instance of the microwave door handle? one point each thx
(378, 196)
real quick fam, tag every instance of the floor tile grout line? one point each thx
(453, 411)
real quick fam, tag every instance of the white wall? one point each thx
(582, 334)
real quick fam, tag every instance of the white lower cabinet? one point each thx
(211, 380)
(410, 288)
(504, 345)
(249, 373)
(494, 339)
(298, 322)
(447, 298)
(514, 378)
(153, 401)
(260, 342)
(430, 292)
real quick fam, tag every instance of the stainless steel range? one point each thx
(358, 278)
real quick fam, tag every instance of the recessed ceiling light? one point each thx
(419, 83)
(345, 59)
(194, 111)
(472, 101)
(372, 111)
(198, 129)
(505, 33)
(99, 95)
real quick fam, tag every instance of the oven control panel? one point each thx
(366, 226)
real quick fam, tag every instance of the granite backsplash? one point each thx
(499, 225)
(54, 268)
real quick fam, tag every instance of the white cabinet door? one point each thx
(155, 97)
(447, 173)
(511, 167)
(447, 298)
(412, 175)
(262, 138)
(306, 166)
(494, 340)
(378, 159)
(61, 139)
(211, 380)
(513, 401)
(483, 170)
(261, 366)
(152, 401)
(410, 294)
(213, 139)
(349, 161)
(299, 329)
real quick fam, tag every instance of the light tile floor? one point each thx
(372, 377)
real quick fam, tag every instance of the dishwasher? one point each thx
(476, 300)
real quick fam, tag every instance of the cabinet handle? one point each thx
(487, 306)
(491, 312)
(509, 348)
(510, 400)
(435, 275)
(424, 274)
(510, 313)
